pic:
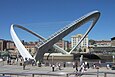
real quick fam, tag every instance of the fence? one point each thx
(60, 74)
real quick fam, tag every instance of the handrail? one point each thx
(57, 73)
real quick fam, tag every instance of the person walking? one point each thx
(76, 66)
(24, 65)
(73, 64)
(53, 67)
(59, 66)
(64, 65)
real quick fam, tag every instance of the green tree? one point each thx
(68, 49)
(91, 42)
(84, 49)
(80, 50)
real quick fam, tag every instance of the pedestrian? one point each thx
(8, 61)
(108, 66)
(82, 68)
(59, 66)
(64, 65)
(85, 66)
(53, 67)
(94, 66)
(73, 64)
(88, 65)
(24, 65)
(33, 63)
(76, 66)
(39, 64)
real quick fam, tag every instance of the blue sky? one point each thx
(47, 16)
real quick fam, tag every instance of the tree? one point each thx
(91, 42)
(84, 49)
(80, 50)
(68, 49)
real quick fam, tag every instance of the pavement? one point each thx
(47, 70)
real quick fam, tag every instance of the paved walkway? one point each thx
(35, 69)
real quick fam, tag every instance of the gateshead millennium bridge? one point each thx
(50, 42)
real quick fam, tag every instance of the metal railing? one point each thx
(68, 26)
(59, 74)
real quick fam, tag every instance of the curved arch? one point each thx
(23, 50)
(94, 16)
(42, 38)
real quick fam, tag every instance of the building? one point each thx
(63, 44)
(83, 46)
(103, 46)
(6, 45)
(103, 43)
(113, 41)
(102, 50)
(2, 44)
(10, 45)
(30, 46)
